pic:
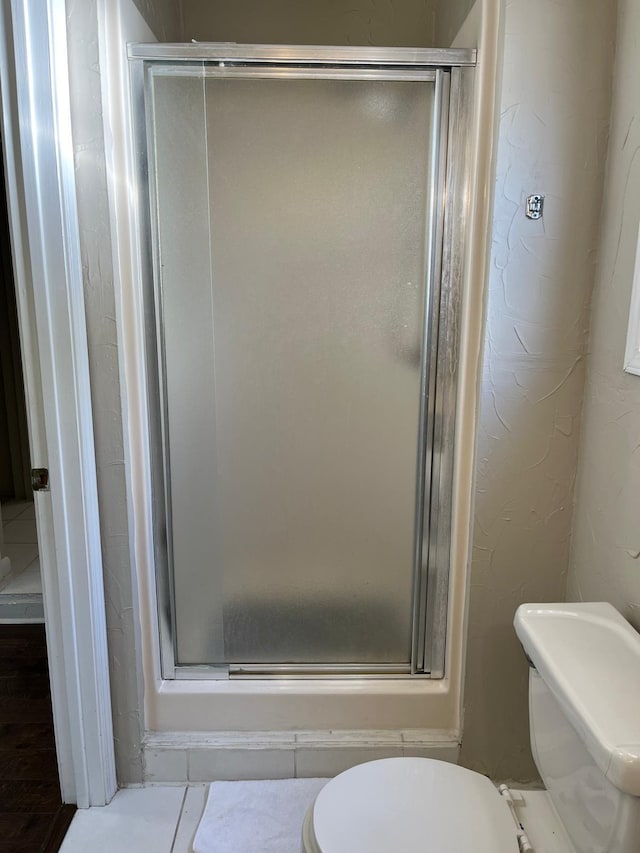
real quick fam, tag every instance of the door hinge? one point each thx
(40, 479)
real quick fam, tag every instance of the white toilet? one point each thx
(584, 708)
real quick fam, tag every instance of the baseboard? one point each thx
(178, 757)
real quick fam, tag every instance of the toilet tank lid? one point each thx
(589, 657)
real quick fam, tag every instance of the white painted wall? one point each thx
(552, 139)
(605, 554)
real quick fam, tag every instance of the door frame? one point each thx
(43, 214)
(439, 358)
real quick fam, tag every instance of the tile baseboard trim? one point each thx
(178, 757)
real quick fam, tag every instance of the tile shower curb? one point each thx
(174, 757)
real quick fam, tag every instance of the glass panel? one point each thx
(187, 326)
(292, 249)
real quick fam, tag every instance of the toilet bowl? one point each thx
(584, 697)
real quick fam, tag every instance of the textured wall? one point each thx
(450, 16)
(363, 22)
(86, 106)
(552, 137)
(605, 555)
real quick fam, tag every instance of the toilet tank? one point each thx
(584, 714)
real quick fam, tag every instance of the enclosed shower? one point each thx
(304, 218)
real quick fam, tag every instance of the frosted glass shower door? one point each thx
(292, 228)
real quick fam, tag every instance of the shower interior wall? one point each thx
(408, 23)
(399, 23)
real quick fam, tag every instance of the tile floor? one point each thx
(140, 820)
(164, 820)
(21, 546)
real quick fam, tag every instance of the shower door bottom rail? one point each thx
(295, 671)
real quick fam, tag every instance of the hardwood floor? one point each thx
(32, 816)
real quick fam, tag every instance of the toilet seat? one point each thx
(409, 805)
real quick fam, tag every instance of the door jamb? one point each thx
(41, 195)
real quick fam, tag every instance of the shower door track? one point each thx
(440, 343)
(301, 55)
(298, 671)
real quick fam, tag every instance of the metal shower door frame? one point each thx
(446, 202)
